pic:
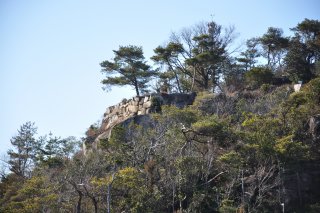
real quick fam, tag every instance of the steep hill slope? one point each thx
(252, 150)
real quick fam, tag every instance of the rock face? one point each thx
(314, 127)
(297, 87)
(139, 106)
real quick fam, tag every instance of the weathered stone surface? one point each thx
(297, 87)
(136, 108)
(141, 105)
(113, 118)
(146, 99)
(109, 109)
(133, 108)
(147, 104)
(314, 127)
(142, 111)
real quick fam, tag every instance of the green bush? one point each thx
(156, 103)
(258, 76)
(312, 90)
(265, 88)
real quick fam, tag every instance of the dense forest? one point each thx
(248, 143)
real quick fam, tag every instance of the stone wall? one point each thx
(140, 105)
(127, 108)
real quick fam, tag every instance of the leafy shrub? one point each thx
(156, 103)
(202, 96)
(313, 90)
(265, 88)
(186, 116)
(214, 128)
(258, 76)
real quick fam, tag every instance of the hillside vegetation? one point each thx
(248, 143)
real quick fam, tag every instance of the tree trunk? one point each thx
(93, 199)
(108, 198)
(79, 202)
(173, 194)
(137, 91)
(299, 189)
(137, 88)
(193, 78)
(176, 76)
(95, 203)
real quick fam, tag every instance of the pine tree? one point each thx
(25, 145)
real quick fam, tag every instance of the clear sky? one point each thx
(50, 50)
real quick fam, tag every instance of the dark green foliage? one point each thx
(118, 136)
(274, 46)
(258, 76)
(169, 56)
(156, 103)
(304, 51)
(313, 91)
(297, 65)
(128, 68)
(26, 147)
(249, 57)
(209, 54)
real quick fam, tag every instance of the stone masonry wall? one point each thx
(140, 105)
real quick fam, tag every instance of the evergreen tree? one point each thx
(25, 145)
(209, 55)
(128, 68)
(304, 51)
(169, 56)
(248, 58)
(274, 46)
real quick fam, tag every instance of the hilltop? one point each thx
(214, 133)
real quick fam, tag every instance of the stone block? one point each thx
(113, 118)
(115, 110)
(147, 104)
(297, 87)
(146, 98)
(143, 111)
(133, 109)
(109, 109)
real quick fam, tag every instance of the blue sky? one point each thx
(50, 50)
